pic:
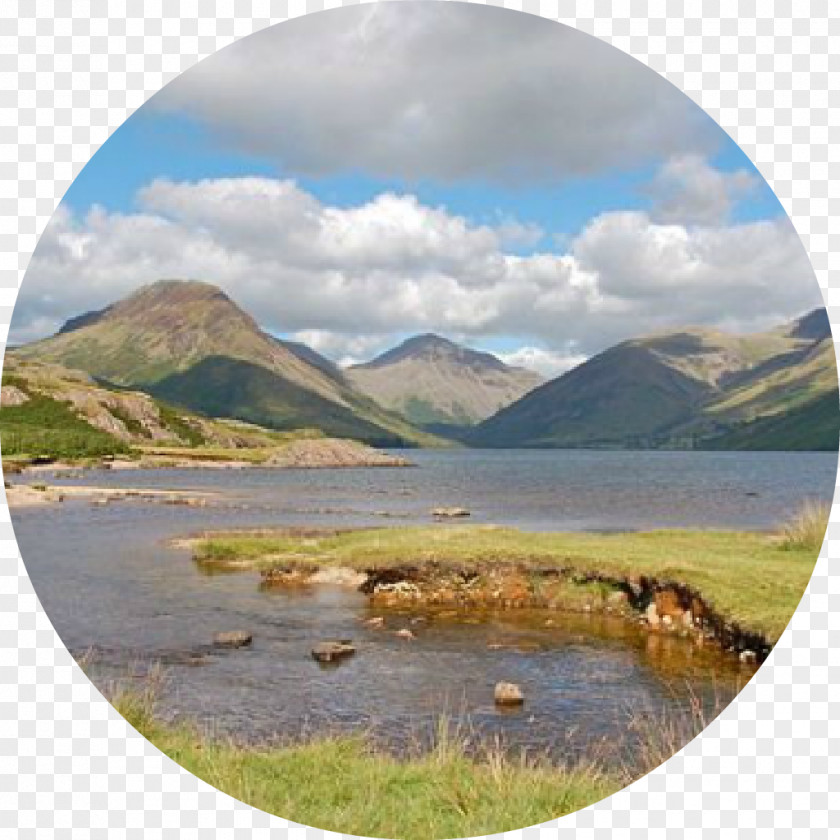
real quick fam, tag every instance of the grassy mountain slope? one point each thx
(166, 336)
(694, 388)
(220, 386)
(811, 425)
(434, 382)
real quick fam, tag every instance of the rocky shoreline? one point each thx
(315, 453)
(40, 495)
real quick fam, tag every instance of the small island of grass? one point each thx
(747, 582)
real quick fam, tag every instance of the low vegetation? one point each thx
(806, 530)
(749, 579)
(43, 427)
(448, 789)
(50, 413)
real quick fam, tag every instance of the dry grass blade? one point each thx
(806, 529)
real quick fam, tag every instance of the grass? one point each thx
(172, 419)
(444, 790)
(47, 428)
(806, 530)
(339, 784)
(343, 784)
(132, 425)
(754, 580)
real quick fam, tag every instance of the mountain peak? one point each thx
(188, 342)
(175, 292)
(430, 346)
(171, 294)
(432, 380)
(815, 326)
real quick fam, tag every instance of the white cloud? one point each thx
(352, 280)
(687, 190)
(549, 363)
(442, 91)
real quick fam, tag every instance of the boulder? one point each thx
(508, 694)
(652, 616)
(233, 639)
(405, 633)
(339, 576)
(748, 656)
(333, 651)
(11, 396)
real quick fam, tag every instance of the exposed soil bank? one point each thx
(737, 587)
(661, 606)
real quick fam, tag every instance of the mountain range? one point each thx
(436, 383)
(187, 343)
(687, 389)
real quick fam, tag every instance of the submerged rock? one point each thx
(449, 512)
(508, 694)
(233, 639)
(375, 622)
(332, 651)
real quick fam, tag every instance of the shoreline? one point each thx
(310, 453)
(26, 496)
(465, 568)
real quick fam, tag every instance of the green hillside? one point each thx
(188, 342)
(812, 425)
(693, 388)
(219, 386)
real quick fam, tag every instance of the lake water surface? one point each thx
(109, 582)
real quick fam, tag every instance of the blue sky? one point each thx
(357, 176)
(154, 144)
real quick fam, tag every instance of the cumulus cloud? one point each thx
(687, 190)
(437, 90)
(351, 280)
(549, 363)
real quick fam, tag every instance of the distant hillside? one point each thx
(188, 342)
(694, 388)
(438, 384)
(48, 412)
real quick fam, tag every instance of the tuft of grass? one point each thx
(136, 702)
(747, 578)
(806, 529)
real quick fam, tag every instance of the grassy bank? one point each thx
(341, 785)
(750, 579)
(344, 784)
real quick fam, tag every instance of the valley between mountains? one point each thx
(179, 364)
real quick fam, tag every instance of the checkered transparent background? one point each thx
(71, 73)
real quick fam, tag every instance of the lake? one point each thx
(110, 583)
